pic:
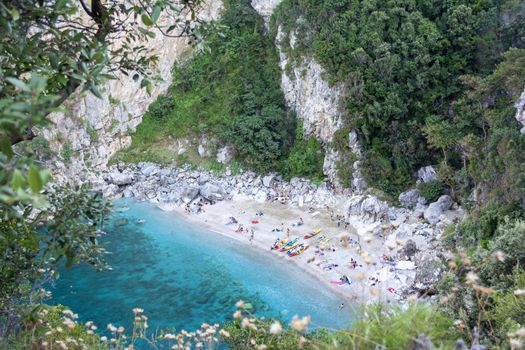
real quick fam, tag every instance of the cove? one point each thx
(183, 275)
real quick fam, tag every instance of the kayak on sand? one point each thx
(279, 243)
(313, 234)
(289, 245)
(298, 250)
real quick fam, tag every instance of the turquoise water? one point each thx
(182, 276)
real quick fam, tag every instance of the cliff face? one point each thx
(316, 103)
(91, 130)
(520, 113)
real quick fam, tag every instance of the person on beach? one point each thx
(341, 306)
(252, 236)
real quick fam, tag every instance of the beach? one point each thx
(372, 279)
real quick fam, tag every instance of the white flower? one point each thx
(276, 328)
(300, 324)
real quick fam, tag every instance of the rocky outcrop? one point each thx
(426, 174)
(90, 129)
(369, 209)
(520, 113)
(265, 8)
(434, 211)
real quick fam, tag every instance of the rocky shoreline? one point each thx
(410, 233)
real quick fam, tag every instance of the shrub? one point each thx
(431, 190)
(305, 159)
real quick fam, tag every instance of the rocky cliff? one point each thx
(520, 113)
(90, 129)
(315, 101)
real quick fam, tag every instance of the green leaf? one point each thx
(18, 180)
(248, 306)
(5, 146)
(146, 20)
(18, 84)
(35, 182)
(15, 14)
(156, 13)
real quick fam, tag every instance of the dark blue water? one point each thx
(183, 275)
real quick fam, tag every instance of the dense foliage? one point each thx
(230, 94)
(401, 63)
(46, 54)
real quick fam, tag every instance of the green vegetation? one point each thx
(306, 158)
(431, 190)
(93, 134)
(402, 63)
(231, 93)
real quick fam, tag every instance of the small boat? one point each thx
(289, 245)
(299, 250)
(280, 244)
(313, 234)
(140, 221)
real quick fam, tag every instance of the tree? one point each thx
(48, 50)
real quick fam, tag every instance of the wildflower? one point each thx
(261, 347)
(198, 345)
(237, 314)
(59, 329)
(112, 328)
(240, 304)
(67, 313)
(276, 328)
(89, 323)
(245, 322)
(104, 339)
(498, 256)
(300, 325)
(137, 311)
(90, 332)
(45, 344)
(252, 341)
(471, 277)
(94, 328)
(169, 336)
(519, 292)
(205, 325)
(120, 329)
(520, 332)
(41, 270)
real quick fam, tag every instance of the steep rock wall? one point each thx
(90, 129)
(520, 113)
(315, 101)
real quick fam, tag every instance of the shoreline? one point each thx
(243, 209)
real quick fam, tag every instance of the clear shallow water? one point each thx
(183, 275)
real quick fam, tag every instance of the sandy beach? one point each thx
(372, 280)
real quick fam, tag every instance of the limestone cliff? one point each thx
(90, 130)
(520, 113)
(315, 101)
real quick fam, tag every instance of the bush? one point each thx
(431, 190)
(306, 158)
